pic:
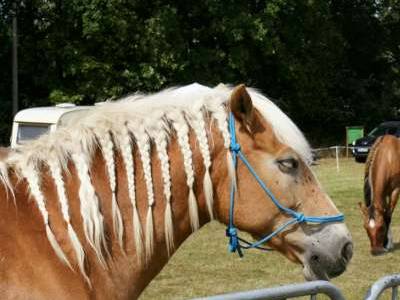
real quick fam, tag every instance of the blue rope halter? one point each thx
(231, 230)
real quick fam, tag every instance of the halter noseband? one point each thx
(231, 231)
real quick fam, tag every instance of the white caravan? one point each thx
(31, 123)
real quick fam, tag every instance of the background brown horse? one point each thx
(381, 192)
(95, 209)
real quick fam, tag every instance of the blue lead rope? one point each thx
(297, 218)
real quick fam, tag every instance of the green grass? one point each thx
(202, 266)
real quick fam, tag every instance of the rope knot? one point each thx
(231, 232)
(300, 217)
(234, 147)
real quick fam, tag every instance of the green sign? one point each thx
(353, 133)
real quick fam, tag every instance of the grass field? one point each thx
(202, 266)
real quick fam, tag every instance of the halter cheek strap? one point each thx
(231, 231)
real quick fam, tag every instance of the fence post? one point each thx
(311, 289)
(337, 158)
(386, 282)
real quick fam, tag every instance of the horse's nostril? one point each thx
(347, 251)
(315, 258)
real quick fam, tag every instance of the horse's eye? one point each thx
(288, 165)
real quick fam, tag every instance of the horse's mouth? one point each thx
(309, 275)
(379, 251)
(318, 273)
(387, 247)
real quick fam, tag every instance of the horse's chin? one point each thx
(310, 275)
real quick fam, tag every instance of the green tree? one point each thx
(328, 64)
(5, 73)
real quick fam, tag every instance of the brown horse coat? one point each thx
(381, 191)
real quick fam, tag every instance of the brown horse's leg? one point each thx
(394, 197)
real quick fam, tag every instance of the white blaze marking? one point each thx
(371, 223)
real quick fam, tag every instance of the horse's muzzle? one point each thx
(329, 254)
(378, 251)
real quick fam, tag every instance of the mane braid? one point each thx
(368, 188)
(182, 131)
(161, 142)
(126, 151)
(56, 173)
(90, 211)
(199, 127)
(143, 143)
(371, 156)
(108, 153)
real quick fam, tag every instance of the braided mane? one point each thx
(144, 122)
(368, 170)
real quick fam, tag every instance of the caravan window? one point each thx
(27, 132)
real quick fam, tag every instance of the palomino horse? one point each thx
(95, 209)
(381, 192)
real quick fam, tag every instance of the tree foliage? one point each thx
(328, 64)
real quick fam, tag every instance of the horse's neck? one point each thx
(182, 225)
(128, 270)
(381, 179)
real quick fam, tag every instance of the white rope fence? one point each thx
(333, 151)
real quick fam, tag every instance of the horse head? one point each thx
(377, 225)
(323, 250)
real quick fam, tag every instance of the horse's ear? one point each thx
(242, 106)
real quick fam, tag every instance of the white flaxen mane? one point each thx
(117, 126)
